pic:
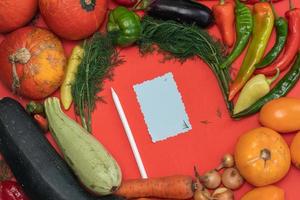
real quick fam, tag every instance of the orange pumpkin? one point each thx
(16, 13)
(32, 62)
(265, 193)
(281, 114)
(295, 150)
(262, 156)
(73, 19)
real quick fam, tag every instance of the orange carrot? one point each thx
(224, 16)
(171, 187)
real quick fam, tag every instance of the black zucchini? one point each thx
(40, 170)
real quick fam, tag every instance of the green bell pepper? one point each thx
(126, 24)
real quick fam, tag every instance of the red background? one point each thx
(214, 132)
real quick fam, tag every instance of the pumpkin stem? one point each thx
(88, 5)
(21, 56)
(265, 154)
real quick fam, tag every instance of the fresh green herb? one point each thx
(100, 56)
(185, 41)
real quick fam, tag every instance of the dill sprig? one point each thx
(100, 56)
(184, 41)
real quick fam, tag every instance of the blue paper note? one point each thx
(162, 107)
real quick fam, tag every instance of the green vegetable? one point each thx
(257, 87)
(93, 165)
(35, 108)
(263, 19)
(100, 56)
(183, 42)
(244, 26)
(127, 25)
(281, 89)
(37, 166)
(281, 26)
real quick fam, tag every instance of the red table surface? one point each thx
(214, 133)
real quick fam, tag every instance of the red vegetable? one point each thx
(292, 45)
(42, 121)
(32, 62)
(16, 13)
(224, 17)
(127, 3)
(11, 190)
(73, 19)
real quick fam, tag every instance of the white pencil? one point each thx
(129, 134)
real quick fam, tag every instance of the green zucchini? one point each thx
(41, 171)
(91, 162)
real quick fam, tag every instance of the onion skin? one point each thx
(226, 162)
(232, 179)
(16, 13)
(211, 179)
(223, 194)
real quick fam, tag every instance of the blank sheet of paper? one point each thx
(162, 107)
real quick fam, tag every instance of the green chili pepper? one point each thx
(263, 19)
(281, 26)
(280, 90)
(244, 26)
(126, 24)
(257, 87)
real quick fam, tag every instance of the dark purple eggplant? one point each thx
(186, 11)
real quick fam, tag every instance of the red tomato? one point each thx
(16, 13)
(73, 19)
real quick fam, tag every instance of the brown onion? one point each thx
(211, 179)
(223, 194)
(232, 179)
(227, 161)
(201, 193)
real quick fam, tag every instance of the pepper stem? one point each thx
(292, 6)
(142, 5)
(271, 80)
(274, 11)
(222, 2)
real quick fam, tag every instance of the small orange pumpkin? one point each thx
(262, 156)
(73, 19)
(16, 13)
(265, 193)
(295, 150)
(32, 62)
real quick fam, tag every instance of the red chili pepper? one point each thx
(224, 17)
(11, 190)
(126, 3)
(292, 45)
(42, 121)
